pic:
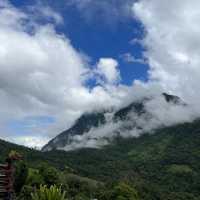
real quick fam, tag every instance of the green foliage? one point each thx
(45, 193)
(34, 178)
(76, 185)
(21, 173)
(161, 166)
(25, 193)
(50, 174)
(180, 169)
(14, 155)
(124, 191)
(81, 196)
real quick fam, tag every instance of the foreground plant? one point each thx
(45, 193)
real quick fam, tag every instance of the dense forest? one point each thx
(164, 165)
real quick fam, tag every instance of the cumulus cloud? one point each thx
(41, 74)
(172, 42)
(108, 69)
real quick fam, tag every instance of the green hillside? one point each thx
(163, 165)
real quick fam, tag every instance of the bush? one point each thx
(21, 173)
(124, 192)
(34, 178)
(50, 174)
(45, 193)
(25, 193)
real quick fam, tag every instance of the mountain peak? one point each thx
(124, 119)
(171, 98)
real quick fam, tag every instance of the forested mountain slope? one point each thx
(164, 164)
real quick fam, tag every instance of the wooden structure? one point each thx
(6, 181)
(7, 177)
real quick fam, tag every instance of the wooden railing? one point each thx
(6, 181)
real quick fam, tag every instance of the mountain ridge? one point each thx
(89, 121)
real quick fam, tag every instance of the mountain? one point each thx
(82, 125)
(172, 98)
(163, 165)
(121, 119)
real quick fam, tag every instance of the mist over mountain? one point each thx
(99, 128)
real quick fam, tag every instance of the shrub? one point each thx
(124, 192)
(45, 193)
(50, 174)
(21, 173)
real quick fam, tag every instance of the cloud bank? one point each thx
(157, 113)
(173, 45)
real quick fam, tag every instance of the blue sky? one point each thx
(107, 36)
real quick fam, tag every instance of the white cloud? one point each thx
(158, 114)
(128, 57)
(41, 74)
(108, 68)
(173, 44)
(40, 11)
(136, 41)
(32, 141)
